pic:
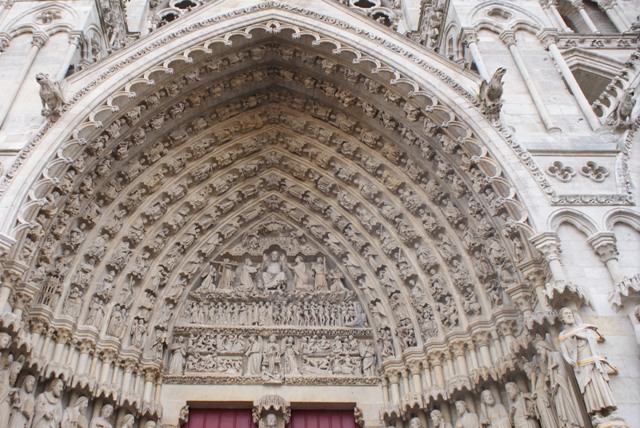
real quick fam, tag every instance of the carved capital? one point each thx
(548, 37)
(85, 346)
(39, 39)
(63, 336)
(578, 4)
(459, 349)
(548, 244)
(75, 38)
(481, 339)
(607, 4)
(508, 38)
(469, 35)
(604, 244)
(38, 325)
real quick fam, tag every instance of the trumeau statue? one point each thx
(579, 346)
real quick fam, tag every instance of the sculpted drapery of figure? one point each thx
(23, 404)
(466, 419)
(550, 382)
(74, 415)
(579, 347)
(102, 420)
(48, 406)
(273, 271)
(522, 412)
(494, 415)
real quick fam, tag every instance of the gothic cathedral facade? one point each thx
(402, 213)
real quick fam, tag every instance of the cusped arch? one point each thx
(581, 221)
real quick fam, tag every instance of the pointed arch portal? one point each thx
(272, 198)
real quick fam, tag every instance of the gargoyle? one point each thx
(490, 94)
(50, 96)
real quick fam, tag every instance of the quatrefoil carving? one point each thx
(561, 171)
(594, 171)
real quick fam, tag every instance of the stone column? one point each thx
(436, 363)
(5, 291)
(149, 381)
(416, 377)
(85, 347)
(482, 340)
(37, 341)
(129, 365)
(549, 39)
(470, 39)
(548, 244)
(39, 39)
(616, 14)
(75, 38)
(461, 358)
(550, 7)
(394, 380)
(62, 337)
(509, 39)
(107, 358)
(604, 244)
(579, 5)
(385, 391)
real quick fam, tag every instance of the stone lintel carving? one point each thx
(271, 411)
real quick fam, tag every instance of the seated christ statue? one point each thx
(273, 271)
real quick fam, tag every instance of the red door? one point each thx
(322, 419)
(205, 418)
(241, 418)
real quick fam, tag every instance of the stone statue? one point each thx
(247, 270)
(150, 424)
(23, 404)
(624, 108)
(291, 353)
(127, 421)
(50, 96)
(415, 422)
(273, 271)
(319, 269)
(254, 356)
(272, 354)
(48, 406)
(299, 275)
(579, 347)
(522, 411)
(466, 419)
(438, 420)
(102, 420)
(209, 279)
(178, 356)
(490, 94)
(74, 416)
(6, 386)
(227, 275)
(269, 421)
(550, 379)
(368, 359)
(494, 415)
